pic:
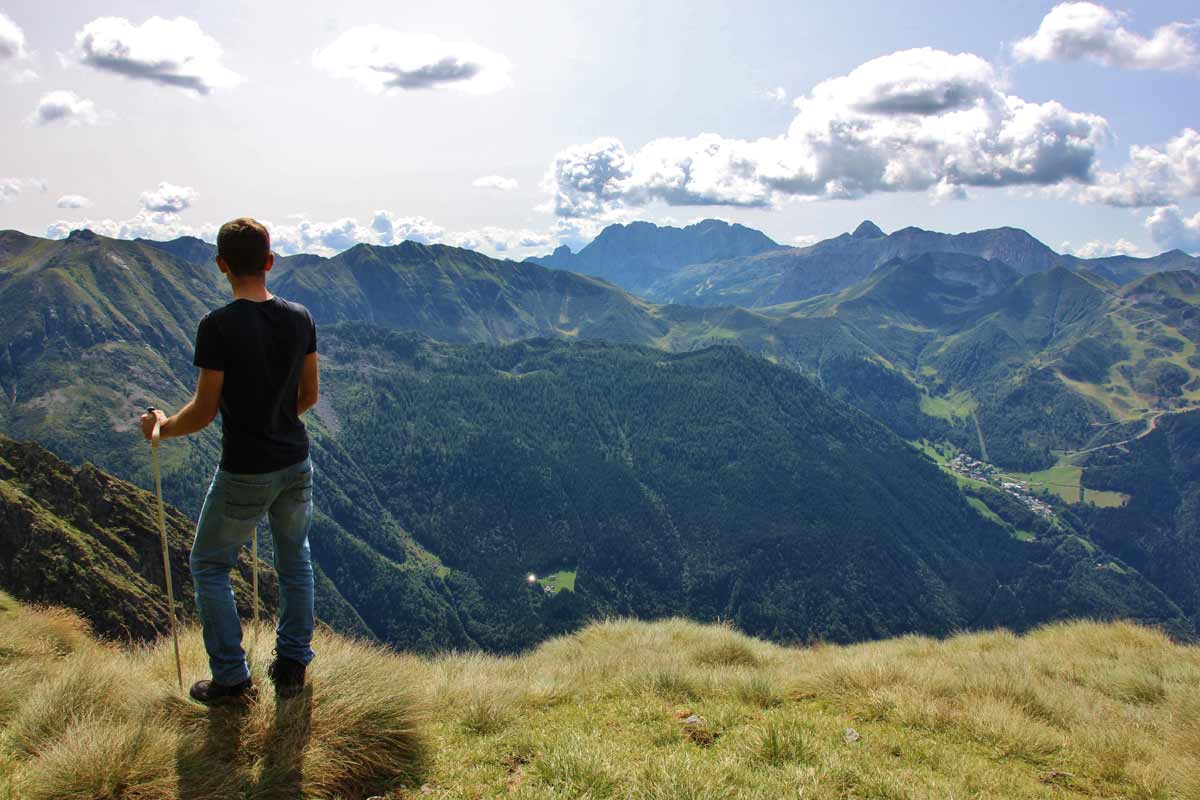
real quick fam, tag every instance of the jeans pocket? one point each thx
(245, 501)
(302, 487)
(300, 493)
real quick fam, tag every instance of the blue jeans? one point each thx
(232, 509)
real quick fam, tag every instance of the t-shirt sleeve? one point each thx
(210, 350)
(312, 327)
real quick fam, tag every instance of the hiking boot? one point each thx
(212, 693)
(287, 675)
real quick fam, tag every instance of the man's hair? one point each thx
(244, 245)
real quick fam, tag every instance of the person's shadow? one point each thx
(213, 766)
(282, 775)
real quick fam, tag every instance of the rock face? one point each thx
(83, 539)
(636, 255)
(867, 230)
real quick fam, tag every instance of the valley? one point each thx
(484, 420)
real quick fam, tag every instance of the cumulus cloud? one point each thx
(910, 121)
(143, 225)
(14, 57)
(805, 239)
(9, 189)
(303, 235)
(1099, 249)
(492, 239)
(12, 40)
(170, 52)
(498, 182)
(1171, 230)
(1077, 31)
(944, 191)
(64, 107)
(1154, 176)
(382, 59)
(321, 238)
(73, 201)
(391, 228)
(167, 198)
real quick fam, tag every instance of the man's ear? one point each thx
(270, 262)
(221, 265)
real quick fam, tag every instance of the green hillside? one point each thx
(80, 538)
(1158, 528)
(621, 709)
(711, 484)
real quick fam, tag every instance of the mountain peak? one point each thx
(867, 230)
(82, 235)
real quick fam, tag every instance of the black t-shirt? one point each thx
(260, 346)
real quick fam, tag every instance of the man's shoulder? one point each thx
(215, 315)
(292, 305)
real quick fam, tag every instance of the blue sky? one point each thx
(513, 127)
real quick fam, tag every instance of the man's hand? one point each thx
(149, 419)
(195, 415)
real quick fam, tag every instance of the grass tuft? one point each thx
(95, 721)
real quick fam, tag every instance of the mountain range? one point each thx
(452, 469)
(938, 345)
(699, 265)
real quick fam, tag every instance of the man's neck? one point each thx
(251, 290)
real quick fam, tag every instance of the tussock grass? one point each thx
(1069, 710)
(83, 720)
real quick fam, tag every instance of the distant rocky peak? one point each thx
(82, 235)
(867, 230)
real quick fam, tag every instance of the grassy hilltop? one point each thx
(621, 709)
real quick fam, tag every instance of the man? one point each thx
(258, 365)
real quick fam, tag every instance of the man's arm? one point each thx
(196, 415)
(306, 393)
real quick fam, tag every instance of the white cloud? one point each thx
(492, 239)
(1153, 176)
(908, 121)
(1171, 230)
(9, 189)
(327, 238)
(14, 57)
(392, 229)
(1077, 31)
(1100, 249)
(167, 198)
(805, 239)
(944, 191)
(171, 52)
(775, 95)
(498, 182)
(382, 59)
(321, 238)
(73, 201)
(12, 40)
(66, 107)
(143, 225)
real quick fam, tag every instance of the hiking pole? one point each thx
(254, 585)
(162, 529)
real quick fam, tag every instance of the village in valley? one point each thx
(977, 470)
